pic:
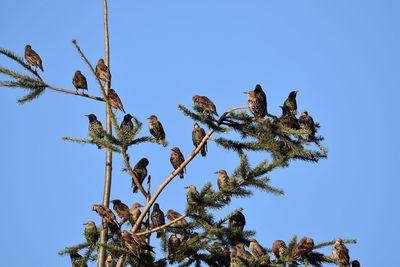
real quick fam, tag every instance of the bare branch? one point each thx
(162, 226)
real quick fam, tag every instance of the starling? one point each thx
(76, 260)
(223, 179)
(157, 218)
(341, 253)
(108, 217)
(355, 263)
(140, 172)
(172, 215)
(91, 232)
(291, 103)
(33, 58)
(173, 245)
(204, 104)
(288, 119)
(237, 222)
(127, 129)
(96, 130)
(279, 249)
(234, 262)
(156, 129)
(242, 252)
(226, 260)
(197, 135)
(257, 101)
(110, 262)
(255, 249)
(122, 211)
(102, 71)
(135, 212)
(177, 159)
(305, 246)
(134, 244)
(192, 196)
(79, 81)
(115, 101)
(307, 122)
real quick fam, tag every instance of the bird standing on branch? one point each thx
(172, 215)
(204, 104)
(237, 222)
(256, 249)
(341, 253)
(102, 71)
(307, 122)
(279, 249)
(77, 260)
(135, 212)
(177, 159)
(122, 211)
(157, 218)
(303, 248)
(140, 171)
(127, 129)
(33, 58)
(198, 134)
(291, 102)
(91, 233)
(115, 101)
(96, 130)
(288, 119)
(108, 217)
(257, 101)
(156, 129)
(79, 81)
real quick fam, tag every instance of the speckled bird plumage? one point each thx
(256, 249)
(156, 129)
(288, 119)
(91, 232)
(115, 101)
(157, 218)
(140, 171)
(96, 130)
(305, 246)
(102, 71)
(340, 253)
(173, 215)
(237, 221)
(127, 129)
(279, 249)
(291, 102)
(307, 122)
(257, 101)
(198, 134)
(204, 104)
(177, 159)
(33, 58)
(79, 81)
(108, 217)
(122, 211)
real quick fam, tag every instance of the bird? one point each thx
(192, 195)
(234, 261)
(173, 244)
(198, 134)
(140, 172)
(135, 212)
(157, 218)
(279, 249)
(242, 252)
(115, 101)
(122, 211)
(110, 262)
(355, 263)
(173, 215)
(256, 249)
(156, 129)
(96, 130)
(79, 81)
(33, 58)
(305, 246)
(76, 260)
(91, 233)
(223, 179)
(257, 101)
(341, 253)
(102, 71)
(108, 217)
(127, 129)
(288, 119)
(291, 102)
(134, 244)
(307, 122)
(237, 221)
(176, 160)
(204, 104)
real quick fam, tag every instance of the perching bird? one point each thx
(291, 102)
(288, 119)
(102, 71)
(192, 195)
(76, 259)
(257, 101)
(157, 218)
(256, 249)
(173, 215)
(134, 244)
(234, 262)
(173, 244)
(242, 252)
(79, 81)
(355, 263)
(156, 129)
(108, 217)
(305, 246)
(341, 253)
(237, 222)
(135, 212)
(140, 172)
(91, 233)
(115, 101)
(223, 179)
(122, 211)
(279, 249)
(198, 134)
(33, 58)
(204, 104)
(96, 130)
(110, 262)
(307, 122)
(127, 129)
(176, 160)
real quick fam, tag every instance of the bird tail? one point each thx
(99, 146)
(203, 152)
(41, 67)
(181, 175)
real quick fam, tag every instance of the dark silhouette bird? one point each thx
(173, 244)
(156, 129)
(115, 101)
(157, 218)
(341, 253)
(237, 221)
(355, 263)
(135, 212)
(279, 249)
(102, 71)
(122, 211)
(96, 130)
(91, 233)
(307, 122)
(204, 104)
(77, 260)
(33, 58)
(79, 81)
(257, 101)
(140, 171)
(256, 249)
(108, 217)
(242, 252)
(177, 159)
(291, 102)
(173, 215)
(198, 134)
(110, 262)
(288, 119)
(305, 246)
(192, 195)
(127, 129)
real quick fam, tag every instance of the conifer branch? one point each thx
(20, 61)
(74, 93)
(100, 142)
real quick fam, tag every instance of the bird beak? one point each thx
(86, 115)
(216, 172)
(245, 92)
(186, 187)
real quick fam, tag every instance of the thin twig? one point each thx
(75, 93)
(131, 173)
(162, 226)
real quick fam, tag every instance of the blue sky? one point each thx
(342, 56)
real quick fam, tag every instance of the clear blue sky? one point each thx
(342, 56)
